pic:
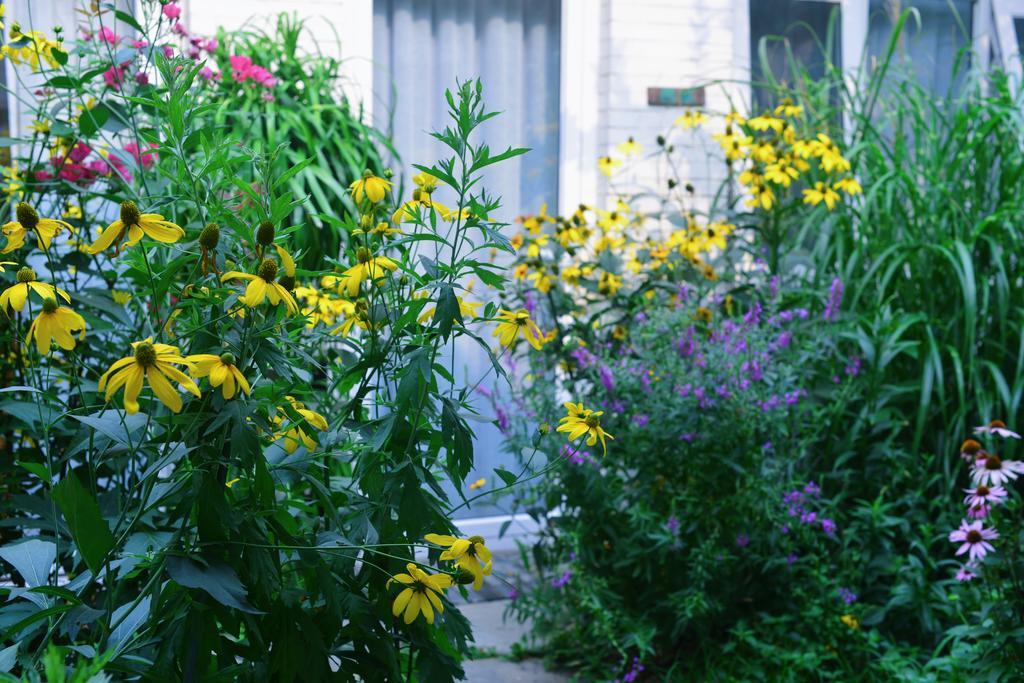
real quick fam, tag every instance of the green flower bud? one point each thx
(210, 237)
(26, 274)
(130, 214)
(27, 216)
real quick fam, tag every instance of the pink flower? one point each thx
(138, 44)
(180, 29)
(206, 73)
(44, 176)
(983, 495)
(172, 11)
(974, 538)
(107, 35)
(965, 574)
(146, 159)
(79, 152)
(168, 51)
(997, 427)
(210, 45)
(142, 78)
(262, 76)
(114, 77)
(979, 511)
(991, 470)
(240, 67)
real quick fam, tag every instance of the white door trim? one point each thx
(579, 114)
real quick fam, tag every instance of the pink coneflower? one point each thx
(984, 495)
(979, 511)
(970, 449)
(997, 427)
(965, 574)
(974, 538)
(991, 470)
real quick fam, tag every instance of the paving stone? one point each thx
(493, 670)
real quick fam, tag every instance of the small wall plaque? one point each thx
(675, 97)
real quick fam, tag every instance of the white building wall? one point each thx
(672, 44)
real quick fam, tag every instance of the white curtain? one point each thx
(421, 47)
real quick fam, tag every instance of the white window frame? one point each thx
(1007, 48)
(579, 115)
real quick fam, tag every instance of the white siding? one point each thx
(661, 43)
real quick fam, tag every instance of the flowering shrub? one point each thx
(668, 541)
(216, 463)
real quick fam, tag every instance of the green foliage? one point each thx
(227, 534)
(324, 141)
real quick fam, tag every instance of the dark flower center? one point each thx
(49, 305)
(26, 274)
(227, 358)
(981, 491)
(27, 216)
(997, 424)
(265, 233)
(973, 536)
(130, 213)
(268, 270)
(145, 354)
(970, 446)
(992, 462)
(210, 237)
(363, 255)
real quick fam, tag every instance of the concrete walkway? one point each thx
(495, 634)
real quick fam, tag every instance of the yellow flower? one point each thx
(583, 422)
(425, 181)
(781, 173)
(691, 119)
(222, 372)
(368, 267)
(136, 225)
(478, 484)
(821, 193)
(407, 211)
(39, 126)
(16, 295)
(468, 553)
(295, 434)
(55, 323)
(763, 197)
(468, 309)
(231, 482)
(28, 220)
(787, 108)
(851, 621)
(121, 297)
(74, 212)
(262, 286)
(609, 284)
(152, 362)
(630, 147)
(516, 322)
(765, 122)
(371, 187)
(607, 165)
(420, 595)
(848, 185)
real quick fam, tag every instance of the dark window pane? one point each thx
(804, 23)
(1018, 27)
(926, 51)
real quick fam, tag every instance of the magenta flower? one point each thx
(983, 495)
(172, 11)
(107, 35)
(974, 538)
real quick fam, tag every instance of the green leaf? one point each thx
(8, 658)
(82, 513)
(36, 468)
(93, 119)
(112, 423)
(219, 580)
(32, 559)
(506, 476)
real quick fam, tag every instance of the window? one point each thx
(420, 48)
(1008, 20)
(930, 47)
(805, 24)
